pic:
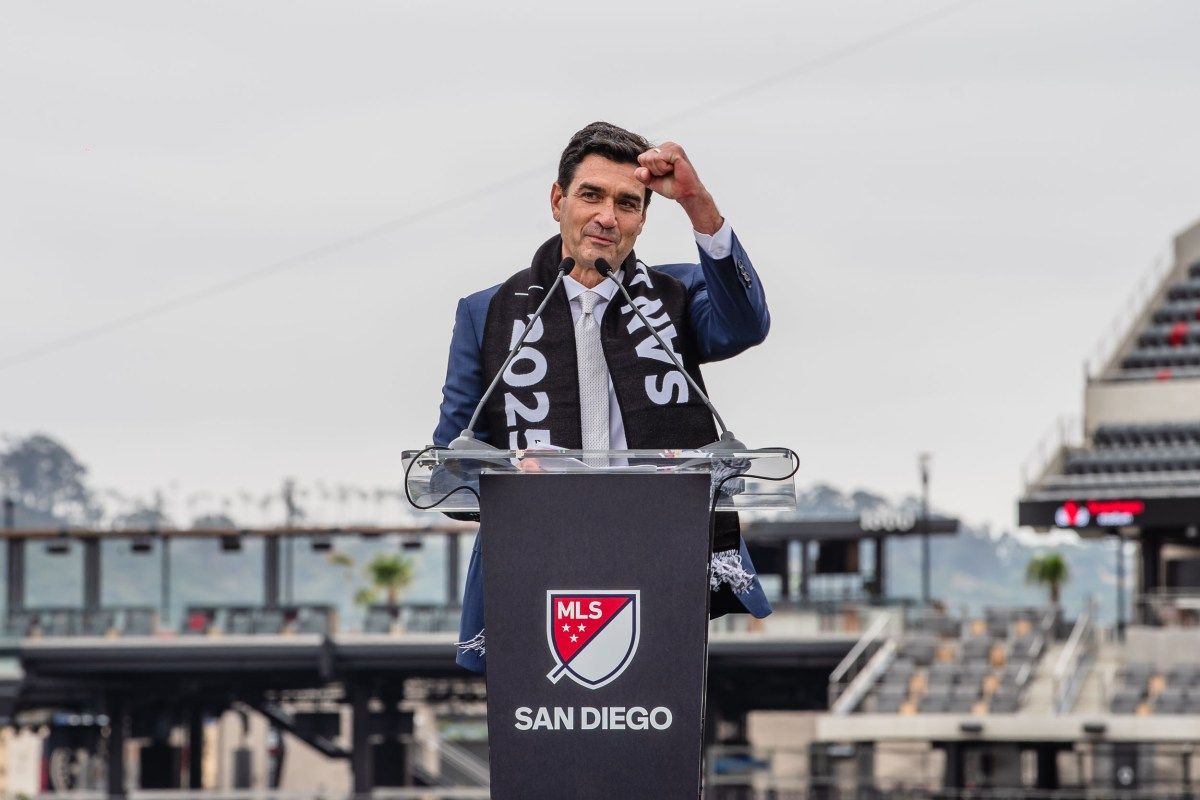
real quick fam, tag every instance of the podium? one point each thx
(596, 589)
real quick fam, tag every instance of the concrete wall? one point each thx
(784, 737)
(308, 769)
(788, 734)
(1007, 727)
(1187, 246)
(1140, 401)
(1163, 646)
(21, 757)
(303, 767)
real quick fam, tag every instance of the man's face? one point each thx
(601, 213)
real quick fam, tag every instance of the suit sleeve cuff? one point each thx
(719, 245)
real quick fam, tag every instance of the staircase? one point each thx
(1093, 695)
(1039, 697)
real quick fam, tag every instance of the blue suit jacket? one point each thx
(728, 313)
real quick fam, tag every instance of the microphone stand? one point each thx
(727, 441)
(466, 440)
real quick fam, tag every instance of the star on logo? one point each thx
(582, 627)
(574, 638)
(566, 628)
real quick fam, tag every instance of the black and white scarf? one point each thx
(538, 397)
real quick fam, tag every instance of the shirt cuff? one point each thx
(720, 244)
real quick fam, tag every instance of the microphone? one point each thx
(727, 441)
(466, 440)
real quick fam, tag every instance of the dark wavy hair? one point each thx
(604, 139)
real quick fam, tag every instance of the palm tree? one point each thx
(1050, 571)
(390, 572)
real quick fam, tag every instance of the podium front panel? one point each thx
(596, 603)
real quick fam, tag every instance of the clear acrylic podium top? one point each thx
(441, 479)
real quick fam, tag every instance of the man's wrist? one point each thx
(719, 245)
(703, 214)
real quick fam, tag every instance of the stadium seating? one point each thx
(944, 665)
(1135, 456)
(1185, 290)
(258, 620)
(315, 619)
(1158, 357)
(1176, 311)
(18, 624)
(1140, 688)
(1147, 435)
(1169, 346)
(1172, 334)
(379, 619)
(56, 622)
(413, 617)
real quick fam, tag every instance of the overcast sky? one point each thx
(945, 218)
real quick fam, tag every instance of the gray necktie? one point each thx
(593, 377)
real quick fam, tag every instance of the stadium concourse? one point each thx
(279, 696)
(1135, 473)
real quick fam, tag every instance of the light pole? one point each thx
(1120, 587)
(923, 465)
(289, 544)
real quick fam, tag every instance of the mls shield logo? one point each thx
(592, 633)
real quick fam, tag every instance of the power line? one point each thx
(223, 287)
(818, 62)
(252, 276)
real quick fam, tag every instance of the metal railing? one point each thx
(1076, 660)
(858, 657)
(71, 621)
(1048, 623)
(248, 619)
(466, 763)
(1065, 433)
(1149, 286)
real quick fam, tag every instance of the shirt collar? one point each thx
(606, 289)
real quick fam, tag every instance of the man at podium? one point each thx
(593, 377)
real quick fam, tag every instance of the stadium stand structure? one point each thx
(1135, 473)
(358, 703)
(1033, 705)
(1018, 701)
(943, 665)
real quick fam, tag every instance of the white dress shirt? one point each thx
(718, 246)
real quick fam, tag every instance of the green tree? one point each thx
(1050, 571)
(44, 476)
(389, 573)
(145, 515)
(215, 521)
(142, 517)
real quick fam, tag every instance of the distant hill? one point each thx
(977, 568)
